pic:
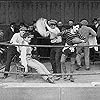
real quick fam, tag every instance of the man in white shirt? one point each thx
(27, 60)
(86, 32)
(56, 52)
(13, 50)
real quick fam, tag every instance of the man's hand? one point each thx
(35, 48)
(1, 51)
(82, 41)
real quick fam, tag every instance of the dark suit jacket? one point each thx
(94, 28)
(8, 34)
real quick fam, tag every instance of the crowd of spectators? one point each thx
(71, 34)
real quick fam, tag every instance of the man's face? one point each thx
(59, 23)
(28, 39)
(98, 21)
(70, 23)
(12, 26)
(95, 22)
(76, 28)
(22, 33)
(30, 28)
(52, 26)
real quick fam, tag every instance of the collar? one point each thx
(96, 25)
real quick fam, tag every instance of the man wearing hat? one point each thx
(55, 54)
(13, 50)
(86, 32)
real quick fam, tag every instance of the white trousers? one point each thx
(40, 68)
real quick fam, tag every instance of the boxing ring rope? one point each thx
(44, 46)
(75, 74)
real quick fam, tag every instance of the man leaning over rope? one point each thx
(27, 60)
(55, 53)
(13, 50)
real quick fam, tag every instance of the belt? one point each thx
(28, 54)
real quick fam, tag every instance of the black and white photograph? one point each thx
(49, 49)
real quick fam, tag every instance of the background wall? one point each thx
(64, 10)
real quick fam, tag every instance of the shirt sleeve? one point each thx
(14, 39)
(56, 30)
(98, 31)
(81, 36)
(93, 32)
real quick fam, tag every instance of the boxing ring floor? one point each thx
(85, 87)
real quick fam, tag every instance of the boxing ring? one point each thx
(49, 46)
(46, 91)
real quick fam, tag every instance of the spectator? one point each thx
(13, 50)
(95, 24)
(70, 24)
(33, 32)
(72, 37)
(55, 54)
(9, 32)
(2, 49)
(98, 31)
(86, 32)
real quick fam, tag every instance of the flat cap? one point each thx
(23, 29)
(50, 22)
(84, 22)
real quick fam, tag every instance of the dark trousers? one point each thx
(11, 52)
(55, 57)
(98, 41)
(3, 57)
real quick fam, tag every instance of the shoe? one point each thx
(5, 76)
(71, 79)
(50, 80)
(79, 66)
(66, 78)
(57, 78)
(25, 75)
(88, 68)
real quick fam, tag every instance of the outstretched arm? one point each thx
(92, 32)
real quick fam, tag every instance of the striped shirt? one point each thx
(67, 36)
